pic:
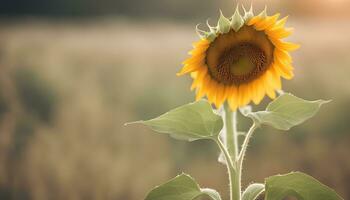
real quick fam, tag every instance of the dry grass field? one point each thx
(68, 88)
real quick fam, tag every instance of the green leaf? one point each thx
(211, 193)
(287, 111)
(299, 185)
(182, 187)
(253, 191)
(190, 122)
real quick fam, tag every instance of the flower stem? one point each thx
(232, 146)
(245, 144)
(231, 132)
(230, 166)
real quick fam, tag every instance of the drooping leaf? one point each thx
(298, 185)
(182, 187)
(189, 122)
(287, 111)
(253, 191)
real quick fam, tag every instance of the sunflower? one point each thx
(241, 60)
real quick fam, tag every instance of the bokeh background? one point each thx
(72, 72)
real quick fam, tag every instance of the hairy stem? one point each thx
(231, 132)
(239, 161)
(230, 166)
(245, 145)
(232, 146)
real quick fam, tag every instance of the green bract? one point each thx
(224, 24)
(248, 15)
(182, 187)
(189, 122)
(237, 20)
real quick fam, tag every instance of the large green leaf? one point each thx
(286, 111)
(189, 122)
(299, 185)
(182, 187)
(253, 191)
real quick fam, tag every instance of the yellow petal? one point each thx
(281, 22)
(260, 90)
(211, 94)
(286, 46)
(198, 60)
(269, 85)
(279, 33)
(243, 95)
(201, 43)
(289, 46)
(199, 94)
(193, 75)
(254, 20)
(270, 92)
(283, 64)
(200, 80)
(220, 95)
(194, 85)
(188, 69)
(233, 99)
(287, 74)
(254, 91)
(202, 73)
(267, 22)
(202, 88)
(283, 55)
(276, 78)
(227, 92)
(198, 51)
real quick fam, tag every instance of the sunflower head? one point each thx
(241, 59)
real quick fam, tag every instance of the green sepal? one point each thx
(211, 35)
(211, 28)
(237, 20)
(182, 187)
(224, 24)
(248, 15)
(202, 34)
(189, 122)
(253, 191)
(213, 32)
(299, 185)
(286, 111)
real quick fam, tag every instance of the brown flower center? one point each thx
(239, 57)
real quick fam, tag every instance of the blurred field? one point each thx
(67, 88)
